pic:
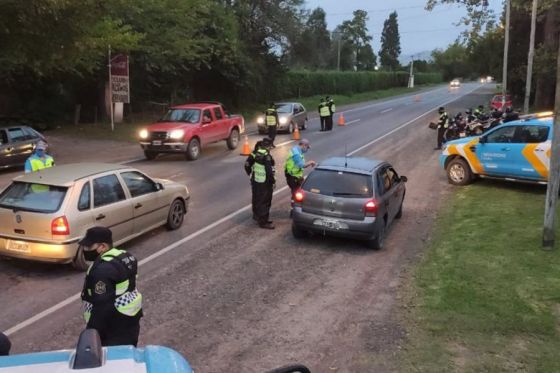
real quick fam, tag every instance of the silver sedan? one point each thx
(290, 114)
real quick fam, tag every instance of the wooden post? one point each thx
(554, 174)
(530, 57)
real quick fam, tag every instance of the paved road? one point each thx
(227, 294)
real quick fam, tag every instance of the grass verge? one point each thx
(486, 297)
(128, 131)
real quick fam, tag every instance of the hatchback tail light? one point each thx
(370, 208)
(298, 196)
(60, 226)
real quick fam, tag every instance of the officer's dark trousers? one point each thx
(324, 123)
(329, 123)
(293, 182)
(124, 336)
(262, 200)
(272, 133)
(440, 133)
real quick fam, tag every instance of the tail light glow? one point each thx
(60, 226)
(298, 196)
(370, 208)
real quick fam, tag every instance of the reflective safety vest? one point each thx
(128, 300)
(324, 110)
(443, 121)
(332, 106)
(291, 167)
(38, 164)
(259, 169)
(270, 117)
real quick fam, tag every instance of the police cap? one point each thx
(97, 235)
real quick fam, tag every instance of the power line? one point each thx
(376, 10)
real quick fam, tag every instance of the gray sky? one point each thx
(420, 30)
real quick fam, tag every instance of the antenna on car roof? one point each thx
(345, 156)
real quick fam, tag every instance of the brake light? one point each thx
(298, 196)
(60, 226)
(370, 208)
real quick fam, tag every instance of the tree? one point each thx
(313, 46)
(366, 58)
(452, 62)
(390, 43)
(354, 33)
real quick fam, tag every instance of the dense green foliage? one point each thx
(390, 43)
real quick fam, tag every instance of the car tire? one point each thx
(233, 139)
(297, 232)
(79, 262)
(459, 172)
(304, 126)
(150, 155)
(291, 127)
(176, 215)
(399, 214)
(379, 240)
(193, 150)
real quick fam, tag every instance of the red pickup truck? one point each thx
(187, 128)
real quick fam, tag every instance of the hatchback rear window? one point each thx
(339, 184)
(33, 197)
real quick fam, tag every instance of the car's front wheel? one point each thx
(150, 155)
(304, 125)
(176, 215)
(233, 139)
(79, 262)
(459, 172)
(193, 150)
(291, 127)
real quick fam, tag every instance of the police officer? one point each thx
(112, 303)
(5, 345)
(324, 114)
(295, 164)
(332, 110)
(260, 167)
(271, 119)
(470, 116)
(479, 112)
(442, 125)
(510, 115)
(39, 159)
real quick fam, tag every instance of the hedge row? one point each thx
(310, 83)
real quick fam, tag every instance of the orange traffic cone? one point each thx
(341, 121)
(246, 149)
(295, 134)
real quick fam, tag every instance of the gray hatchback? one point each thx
(348, 197)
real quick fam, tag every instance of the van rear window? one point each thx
(33, 197)
(339, 183)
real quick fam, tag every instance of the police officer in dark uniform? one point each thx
(510, 115)
(442, 125)
(112, 304)
(260, 167)
(271, 120)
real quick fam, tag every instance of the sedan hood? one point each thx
(169, 126)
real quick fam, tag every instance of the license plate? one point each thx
(18, 246)
(156, 142)
(327, 223)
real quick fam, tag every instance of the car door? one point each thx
(222, 130)
(111, 208)
(19, 144)
(31, 139)
(397, 194)
(533, 151)
(385, 193)
(150, 206)
(209, 129)
(496, 152)
(299, 115)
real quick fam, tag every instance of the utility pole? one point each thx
(530, 58)
(110, 91)
(506, 49)
(554, 174)
(411, 75)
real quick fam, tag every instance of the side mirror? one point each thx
(482, 140)
(159, 186)
(404, 179)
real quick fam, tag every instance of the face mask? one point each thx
(305, 149)
(90, 255)
(40, 153)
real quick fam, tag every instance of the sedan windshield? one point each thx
(182, 115)
(284, 108)
(33, 197)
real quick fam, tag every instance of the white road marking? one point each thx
(386, 110)
(190, 237)
(353, 121)
(285, 143)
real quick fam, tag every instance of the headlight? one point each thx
(283, 120)
(260, 120)
(177, 134)
(143, 134)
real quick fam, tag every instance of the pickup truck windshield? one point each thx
(182, 115)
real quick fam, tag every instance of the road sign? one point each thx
(120, 83)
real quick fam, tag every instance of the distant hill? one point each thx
(425, 55)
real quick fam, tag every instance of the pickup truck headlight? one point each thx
(260, 120)
(283, 120)
(177, 134)
(143, 134)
